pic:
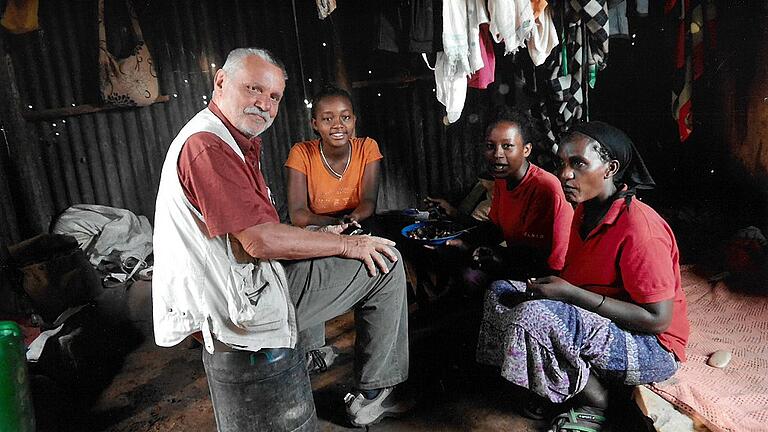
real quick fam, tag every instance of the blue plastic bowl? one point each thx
(433, 242)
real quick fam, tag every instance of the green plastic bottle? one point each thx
(16, 414)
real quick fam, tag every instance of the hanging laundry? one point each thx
(580, 59)
(450, 89)
(484, 76)
(594, 15)
(574, 70)
(511, 22)
(696, 19)
(477, 15)
(408, 26)
(538, 7)
(455, 46)
(543, 37)
(20, 16)
(325, 7)
(617, 18)
(641, 7)
(461, 55)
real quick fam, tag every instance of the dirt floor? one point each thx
(165, 389)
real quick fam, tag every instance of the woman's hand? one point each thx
(485, 258)
(347, 219)
(339, 228)
(458, 244)
(551, 287)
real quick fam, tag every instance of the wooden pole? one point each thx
(25, 156)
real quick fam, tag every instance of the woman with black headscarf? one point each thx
(616, 314)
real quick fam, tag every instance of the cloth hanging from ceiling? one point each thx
(538, 7)
(696, 21)
(543, 37)
(617, 18)
(20, 16)
(461, 55)
(583, 51)
(641, 7)
(409, 26)
(581, 58)
(512, 22)
(484, 76)
(325, 7)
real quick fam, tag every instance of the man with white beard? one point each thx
(230, 274)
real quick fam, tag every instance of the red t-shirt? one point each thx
(632, 256)
(230, 194)
(534, 214)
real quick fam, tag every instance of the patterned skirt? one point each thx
(550, 347)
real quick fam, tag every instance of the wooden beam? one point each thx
(57, 113)
(401, 81)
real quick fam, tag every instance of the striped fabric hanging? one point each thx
(696, 20)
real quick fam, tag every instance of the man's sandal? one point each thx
(576, 420)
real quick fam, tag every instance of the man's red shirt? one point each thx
(231, 194)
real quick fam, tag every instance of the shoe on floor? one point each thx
(584, 419)
(364, 412)
(321, 359)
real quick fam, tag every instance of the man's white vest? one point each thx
(197, 283)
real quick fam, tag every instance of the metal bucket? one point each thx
(265, 391)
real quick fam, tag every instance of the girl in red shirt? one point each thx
(616, 314)
(528, 209)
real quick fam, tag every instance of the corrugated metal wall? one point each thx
(114, 157)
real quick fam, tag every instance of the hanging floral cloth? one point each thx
(696, 20)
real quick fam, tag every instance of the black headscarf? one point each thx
(632, 171)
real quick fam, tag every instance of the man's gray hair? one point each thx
(236, 56)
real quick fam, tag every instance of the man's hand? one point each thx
(442, 204)
(551, 287)
(371, 250)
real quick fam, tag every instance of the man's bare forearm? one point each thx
(280, 241)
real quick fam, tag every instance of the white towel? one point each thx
(476, 15)
(511, 21)
(461, 55)
(543, 37)
(451, 89)
(455, 44)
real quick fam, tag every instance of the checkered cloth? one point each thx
(569, 76)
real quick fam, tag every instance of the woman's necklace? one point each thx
(328, 165)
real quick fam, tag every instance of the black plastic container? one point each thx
(265, 391)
